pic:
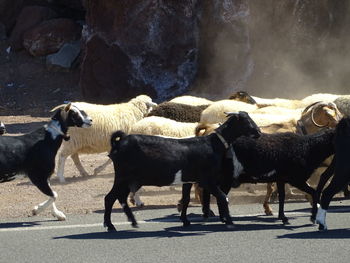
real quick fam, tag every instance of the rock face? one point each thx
(155, 44)
(49, 36)
(29, 17)
(214, 47)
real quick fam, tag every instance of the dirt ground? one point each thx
(27, 93)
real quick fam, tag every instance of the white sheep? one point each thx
(326, 97)
(96, 139)
(215, 112)
(191, 100)
(285, 103)
(155, 125)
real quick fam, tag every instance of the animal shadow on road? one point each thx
(197, 228)
(22, 224)
(329, 234)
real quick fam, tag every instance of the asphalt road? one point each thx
(161, 237)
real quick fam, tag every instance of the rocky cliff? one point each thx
(164, 48)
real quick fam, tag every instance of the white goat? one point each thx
(96, 139)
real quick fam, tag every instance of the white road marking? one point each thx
(150, 221)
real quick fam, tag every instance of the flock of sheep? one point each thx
(186, 116)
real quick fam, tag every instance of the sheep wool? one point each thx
(191, 100)
(215, 112)
(106, 120)
(156, 125)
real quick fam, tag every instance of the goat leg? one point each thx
(185, 200)
(281, 199)
(222, 203)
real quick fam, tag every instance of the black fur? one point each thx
(339, 166)
(282, 158)
(178, 112)
(151, 160)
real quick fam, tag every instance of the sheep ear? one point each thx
(67, 107)
(151, 104)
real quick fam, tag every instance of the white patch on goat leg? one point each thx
(178, 178)
(42, 206)
(57, 213)
(60, 167)
(321, 217)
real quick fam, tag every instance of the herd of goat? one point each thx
(215, 145)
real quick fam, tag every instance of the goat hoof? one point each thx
(322, 227)
(285, 222)
(35, 211)
(60, 216)
(268, 213)
(186, 223)
(140, 205)
(110, 227)
(135, 225)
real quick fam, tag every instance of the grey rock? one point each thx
(65, 57)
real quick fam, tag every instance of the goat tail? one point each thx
(116, 137)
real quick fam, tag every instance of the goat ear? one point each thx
(67, 107)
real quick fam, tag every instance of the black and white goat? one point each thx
(33, 154)
(339, 167)
(2, 128)
(152, 160)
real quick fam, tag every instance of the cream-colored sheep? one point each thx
(155, 125)
(326, 97)
(215, 112)
(285, 103)
(96, 139)
(191, 100)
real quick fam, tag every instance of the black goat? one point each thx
(2, 128)
(151, 160)
(178, 112)
(280, 157)
(33, 154)
(339, 167)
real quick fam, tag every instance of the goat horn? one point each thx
(313, 120)
(58, 107)
(311, 105)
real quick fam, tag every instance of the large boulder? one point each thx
(49, 36)
(155, 43)
(29, 17)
